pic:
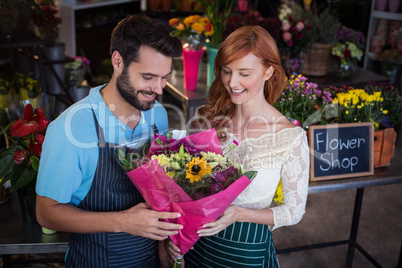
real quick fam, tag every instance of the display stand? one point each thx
(31, 47)
(34, 45)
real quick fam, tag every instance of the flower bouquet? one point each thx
(347, 54)
(75, 71)
(190, 176)
(192, 30)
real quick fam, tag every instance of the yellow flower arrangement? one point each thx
(357, 105)
(192, 30)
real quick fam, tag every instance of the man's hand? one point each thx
(141, 220)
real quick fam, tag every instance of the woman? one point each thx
(249, 79)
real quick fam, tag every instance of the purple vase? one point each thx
(381, 5)
(393, 5)
(191, 65)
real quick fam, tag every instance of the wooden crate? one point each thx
(384, 147)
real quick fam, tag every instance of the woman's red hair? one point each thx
(245, 40)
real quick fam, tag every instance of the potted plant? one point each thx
(46, 21)
(321, 37)
(380, 104)
(302, 102)
(193, 30)
(47, 25)
(75, 77)
(218, 12)
(19, 163)
(347, 50)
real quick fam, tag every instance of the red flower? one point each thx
(35, 145)
(32, 122)
(347, 53)
(208, 28)
(20, 156)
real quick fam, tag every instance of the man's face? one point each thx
(140, 82)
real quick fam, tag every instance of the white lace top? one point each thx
(285, 155)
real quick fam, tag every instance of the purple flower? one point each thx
(216, 188)
(312, 85)
(236, 142)
(302, 78)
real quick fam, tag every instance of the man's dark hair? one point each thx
(140, 30)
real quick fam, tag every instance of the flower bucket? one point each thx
(191, 65)
(210, 66)
(316, 60)
(384, 147)
(55, 80)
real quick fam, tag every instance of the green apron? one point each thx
(242, 244)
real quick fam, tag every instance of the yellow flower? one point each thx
(278, 197)
(197, 27)
(174, 21)
(197, 168)
(189, 20)
(180, 27)
(385, 112)
(171, 174)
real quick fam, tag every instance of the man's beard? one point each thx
(130, 95)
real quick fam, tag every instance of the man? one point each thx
(81, 188)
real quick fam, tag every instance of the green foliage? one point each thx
(324, 27)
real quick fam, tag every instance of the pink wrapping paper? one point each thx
(162, 193)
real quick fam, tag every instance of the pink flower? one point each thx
(286, 36)
(285, 26)
(300, 26)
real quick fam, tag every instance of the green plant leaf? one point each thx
(250, 174)
(34, 162)
(181, 151)
(7, 161)
(121, 154)
(125, 163)
(21, 175)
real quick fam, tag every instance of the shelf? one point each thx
(387, 15)
(77, 5)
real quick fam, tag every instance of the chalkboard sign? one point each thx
(341, 150)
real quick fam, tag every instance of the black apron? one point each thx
(111, 190)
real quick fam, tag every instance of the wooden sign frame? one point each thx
(336, 129)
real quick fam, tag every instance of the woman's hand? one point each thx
(230, 216)
(173, 251)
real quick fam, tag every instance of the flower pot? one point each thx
(48, 231)
(242, 5)
(211, 53)
(4, 194)
(347, 69)
(54, 80)
(381, 5)
(393, 5)
(27, 209)
(191, 65)
(153, 5)
(78, 93)
(384, 147)
(166, 5)
(185, 6)
(316, 59)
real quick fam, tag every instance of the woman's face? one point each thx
(244, 79)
